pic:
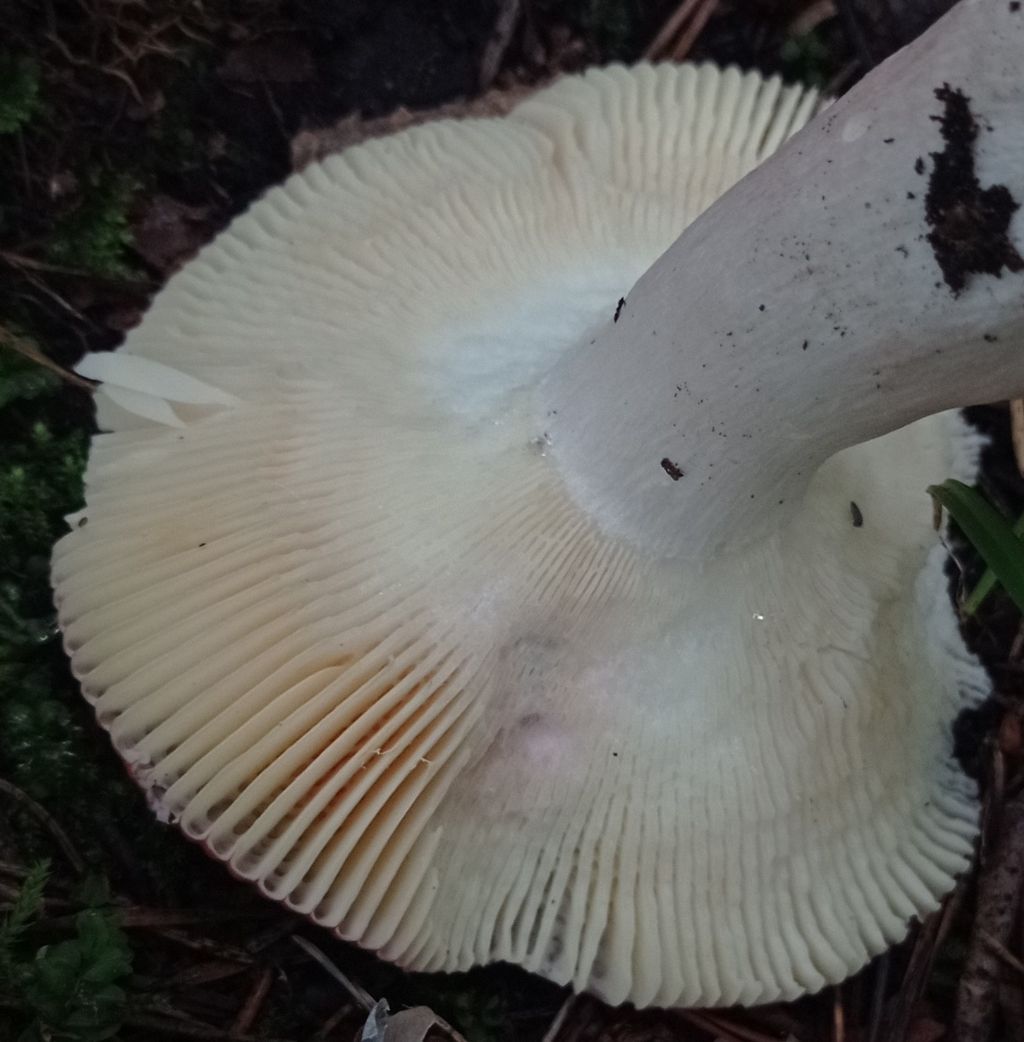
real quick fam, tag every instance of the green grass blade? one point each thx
(988, 532)
(26, 907)
(988, 581)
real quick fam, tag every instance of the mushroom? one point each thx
(480, 618)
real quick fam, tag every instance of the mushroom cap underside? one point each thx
(344, 622)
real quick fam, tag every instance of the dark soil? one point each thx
(970, 224)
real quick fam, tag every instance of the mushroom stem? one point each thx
(868, 274)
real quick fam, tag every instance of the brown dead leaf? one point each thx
(310, 145)
(924, 1029)
(418, 1024)
(1011, 734)
(167, 232)
(121, 319)
(414, 1025)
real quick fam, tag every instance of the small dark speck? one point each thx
(910, 195)
(888, 140)
(903, 250)
(671, 469)
(201, 545)
(1014, 6)
(919, 165)
(760, 307)
(989, 338)
(856, 515)
(804, 346)
(82, 522)
(618, 308)
(615, 754)
(781, 501)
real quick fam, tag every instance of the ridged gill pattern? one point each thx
(337, 612)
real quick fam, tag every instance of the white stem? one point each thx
(809, 309)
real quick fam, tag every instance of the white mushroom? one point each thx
(481, 619)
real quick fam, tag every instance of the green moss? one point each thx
(24, 910)
(50, 747)
(19, 91)
(72, 989)
(96, 235)
(42, 738)
(22, 380)
(39, 478)
(40, 481)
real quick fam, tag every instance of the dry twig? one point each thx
(186, 1029)
(838, 1015)
(215, 949)
(257, 995)
(929, 938)
(19, 261)
(361, 996)
(509, 13)
(1004, 953)
(43, 816)
(332, 1022)
(688, 38)
(203, 973)
(28, 350)
(678, 35)
(811, 17)
(881, 979)
(999, 898)
(137, 917)
(721, 1027)
(559, 1019)
(269, 937)
(661, 44)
